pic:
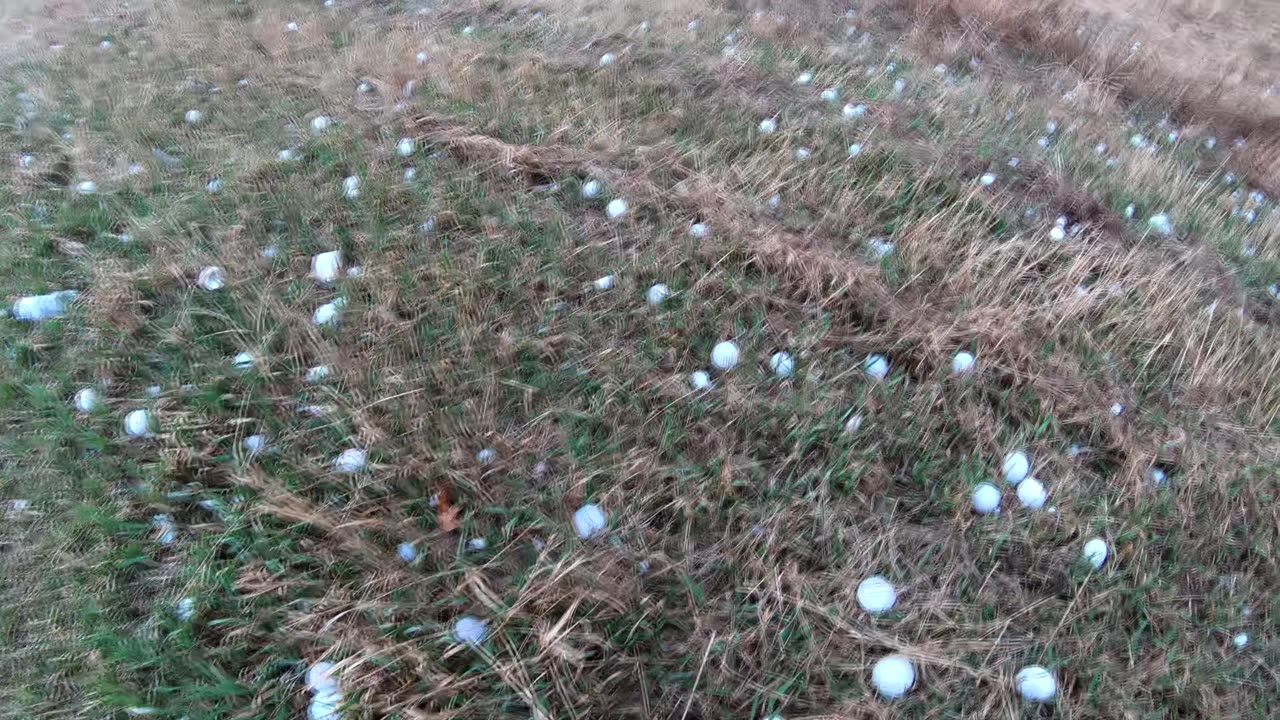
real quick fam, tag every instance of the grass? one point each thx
(740, 519)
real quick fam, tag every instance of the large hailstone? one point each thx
(877, 367)
(407, 552)
(1016, 467)
(193, 117)
(487, 456)
(1096, 552)
(616, 208)
(657, 294)
(604, 283)
(352, 460)
(316, 374)
(1160, 224)
(591, 189)
(782, 365)
(137, 424)
(768, 126)
(1240, 641)
(88, 187)
(804, 78)
(876, 595)
(700, 380)
(589, 520)
(725, 355)
(185, 609)
(328, 313)
(1032, 494)
(327, 266)
(893, 676)
(986, 499)
(320, 123)
(852, 112)
(1036, 684)
(212, 278)
(962, 363)
(830, 95)
(325, 706)
(608, 59)
(242, 362)
(351, 187)
(699, 230)
(469, 630)
(405, 147)
(86, 400)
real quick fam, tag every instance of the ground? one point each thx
(1091, 220)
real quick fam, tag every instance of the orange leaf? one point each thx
(446, 512)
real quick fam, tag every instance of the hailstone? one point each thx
(986, 499)
(1016, 467)
(192, 117)
(699, 230)
(607, 59)
(657, 294)
(185, 609)
(804, 78)
(316, 374)
(803, 153)
(893, 676)
(212, 278)
(852, 111)
(320, 678)
(1240, 640)
(603, 283)
(830, 95)
(86, 400)
(469, 630)
(326, 266)
(351, 187)
(405, 147)
(1096, 552)
(254, 444)
(877, 367)
(88, 187)
(724, 356)
(486, 456)
(421, 57)
(407, 552)
(768, 126)
(589, 520)
(782, 364)
(1157, 476)
(1057, 234)
(616, 208)
(352, 460)
(320, 123)
(700, 380)
(328, 313)
(1036, 684)
(1032, 493)
(987, 179)
(876, 595)
(591, 189)
(138, 424)
(962, 363)
(1160, 224)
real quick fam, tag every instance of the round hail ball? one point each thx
(607, 59)
(352, 460)
(405, 147)
(254, 444)
(591, 189)
(893, 676)
(782, 364)
(725, 355)
(1036, 684)
(876, 595)
(86, 400)
(1241, 641)
(1096, 551)
(192, 117)
(603, 283)
(830, 95)
(700, 380)
(320, 123)
(804, 78)
(320, 678)
(469, 630)
(351, 187)
(616, 208)
(1032, 493)
(986, 499)
(852, 111)
(589, 520)
(138, 424)
(88, 187)
(768, 126)
(877, 366)
(212, 278)
(407, 552)
(1016, 467)
(326, 266)
(657, 294)
(962, 363)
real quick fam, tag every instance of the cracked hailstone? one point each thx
(589, 520)
(86, 400)
(352, 460)
(469, 630)
(877, 367)
(1016, 467)
(137, 424)
(1036, 684)
(876, 595)
(1095, 552)
(193, 117)
(616, 208)
(657, 294)
(591, 189)
(700, 380)
(768, 126)
(1032, 494)
(212, 278)
(852, 111)
(893, 676)
(351, 187)
(404, 148)
(962, 363)
(782, 365)
(986, 499)
(724, 356)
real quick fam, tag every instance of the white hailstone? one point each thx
(320, 123)
(700, 380)
(355, 271)
(1160, 224)
(242, 82)
(1158, 476)
(782, 364)
(616, 208)
(1210, 142)
(88, 187)
(725, 355)
(589, 520)
(1238, 143)
(644, 26)
(1016, 467)
(291, 26)
(86, 400)
(193, 117)
(1274, 289)
(855, 150)
(328, 313)
(853, 424)
(316, 374)
(213, 186)
(405, 147)
(803, 153)
(1240, 640)
(603, 283)
(410, 173)
(1032, 494)
(962, 363)
(880, 247)
(986, 499)
(1058, 233)
(987, 179)
(487, 456)
(877, 366)
(940, 69)
(1129, 210)
(212, 278)
(1172, 137)
(137, 424)
(774, 201)
(607, 59)
(351, 187)
(1100, 149)
(830, 94)
(899, 85)
(136, 169)
(469, 630)
(1015, 161)
(242, 361)
(326, 266)
(164, 523)
(700, 230)
(421, 57)
(804, 78)
(657, 294)
(185, 609)
(254, 444)
(1096, 552)
(1036, 684)
(591, 189)
(469, 30)
(104, 45)
(692, 26)
(1051, 127)
(26, 160)
(1043, 142)
(364, 88)
(325, 706)
(285, 155)
(477, 544)
(893, 676)
(876, 595)
(1117, 409)
(407, 552)
(1137, 140)
(768, 126)
(352, 460)
(153, 391)
(852, 111)
(320, 678)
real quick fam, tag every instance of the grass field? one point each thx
(1001, 201)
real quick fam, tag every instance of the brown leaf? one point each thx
(446, 512)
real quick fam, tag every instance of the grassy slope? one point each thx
(752, 508)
